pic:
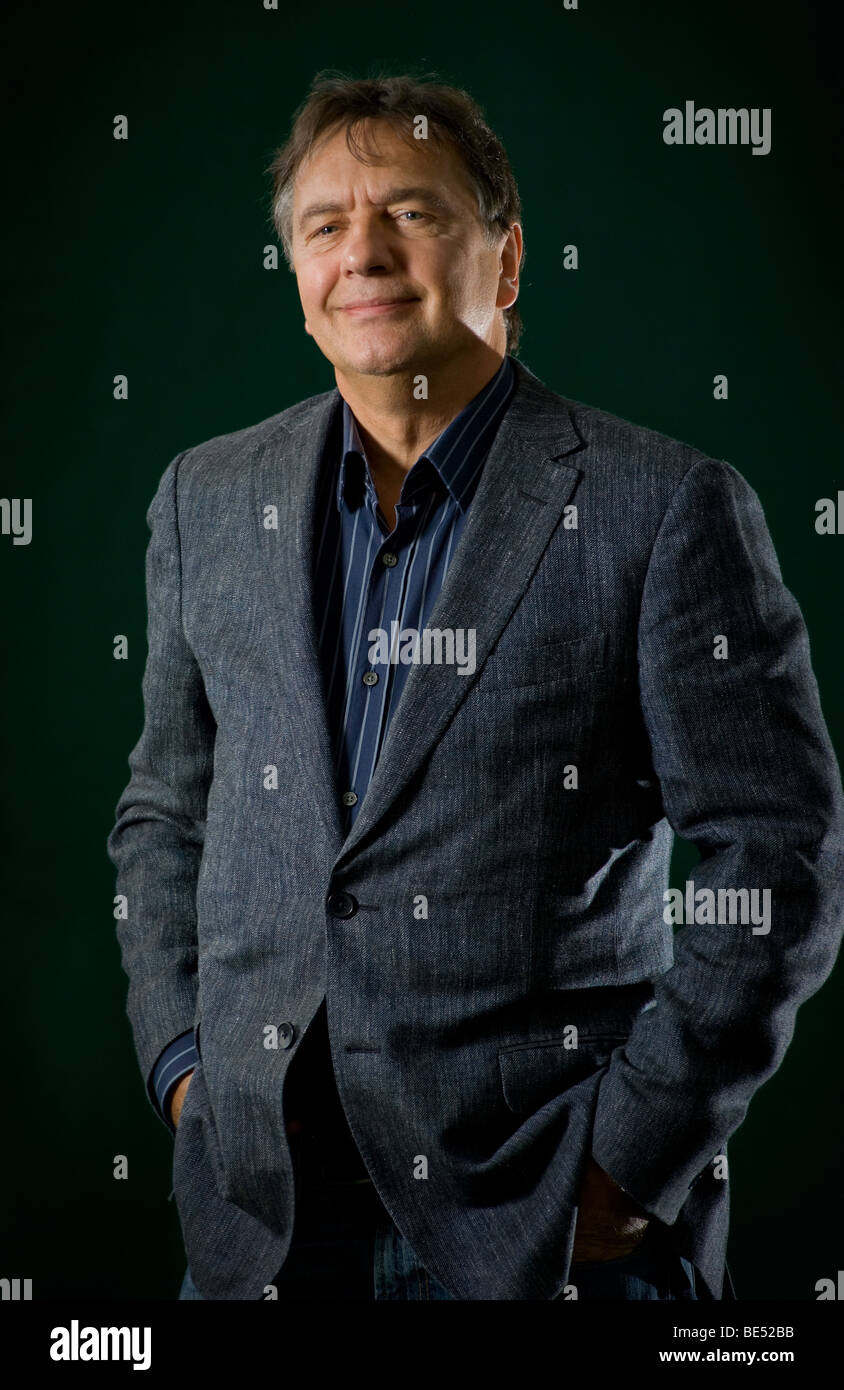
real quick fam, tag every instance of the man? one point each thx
(437, 662)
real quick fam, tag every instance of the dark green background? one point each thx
(145, 258)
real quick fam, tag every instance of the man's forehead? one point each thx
(394, 162)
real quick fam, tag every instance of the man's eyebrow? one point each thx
(420, 192)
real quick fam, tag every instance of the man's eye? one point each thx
(329, 227)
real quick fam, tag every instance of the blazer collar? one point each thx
(459, 450)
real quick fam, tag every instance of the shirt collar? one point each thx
(458, 452)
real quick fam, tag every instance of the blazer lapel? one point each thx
(288, 473)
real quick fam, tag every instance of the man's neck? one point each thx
(395, 427)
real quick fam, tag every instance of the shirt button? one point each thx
(349, 798)
(286, 1034)
(389, 559)
(370, 677)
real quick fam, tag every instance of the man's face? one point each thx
(393, 268)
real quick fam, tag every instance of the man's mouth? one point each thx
(377, 306)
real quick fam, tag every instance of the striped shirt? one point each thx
(368, 579)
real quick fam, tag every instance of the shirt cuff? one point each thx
(177, 1059)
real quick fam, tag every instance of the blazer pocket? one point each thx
(197, 1129)
(521, 662)
(534, 1073)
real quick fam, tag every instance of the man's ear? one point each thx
(307, 328)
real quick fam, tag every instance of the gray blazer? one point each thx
(500, 897)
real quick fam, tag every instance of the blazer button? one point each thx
(342, 905)
(286, 1034)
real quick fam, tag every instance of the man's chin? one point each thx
(379, 362)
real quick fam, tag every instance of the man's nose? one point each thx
(367, 249)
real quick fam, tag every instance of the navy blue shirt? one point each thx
(370, 580)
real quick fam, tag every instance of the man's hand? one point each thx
(177, 1099)
(609, 1223)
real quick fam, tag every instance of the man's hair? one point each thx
(454, 119)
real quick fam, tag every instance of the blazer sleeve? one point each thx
(747, 773)
(157, 840)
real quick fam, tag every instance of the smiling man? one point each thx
(401, 981)
(402, 285)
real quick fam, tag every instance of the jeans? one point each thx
(346, 1248)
